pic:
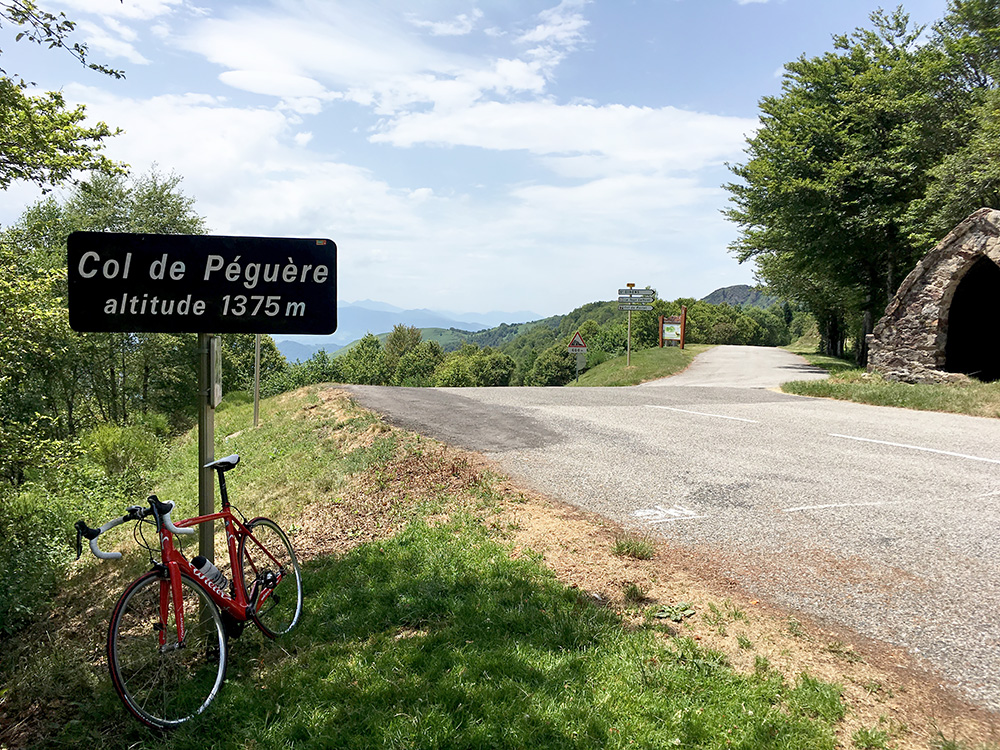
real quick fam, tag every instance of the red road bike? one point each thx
(168, 640)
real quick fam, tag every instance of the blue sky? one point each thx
(466, 156)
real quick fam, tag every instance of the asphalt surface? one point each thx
(878, 519)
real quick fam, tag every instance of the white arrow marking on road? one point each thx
(659, 514)
(702, 414)
(916, 448)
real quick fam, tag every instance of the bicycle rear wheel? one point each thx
(270, 576)
(166, 685)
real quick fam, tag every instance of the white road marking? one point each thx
(702, 414)
(916, 448)
(659, 514)
(838, 505)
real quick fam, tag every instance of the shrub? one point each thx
(416, 367)
(129, 451)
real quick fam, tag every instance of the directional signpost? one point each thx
(204, 284)
(632, 299)
(579, 348)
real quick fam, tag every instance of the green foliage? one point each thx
(872, 153)
(416, 367)
(454, 372)
(399, 342)
(122, 451)
(554, 366)
(44, 141)
(365, 363)
(47, 29)
(238, 356)
(55, 383)
(36, 528)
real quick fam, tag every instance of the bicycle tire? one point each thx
(275, 595)
(164, 687)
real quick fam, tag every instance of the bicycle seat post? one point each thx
(223, 494)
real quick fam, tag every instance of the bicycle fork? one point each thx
(171, 592)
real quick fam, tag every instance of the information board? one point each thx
(171, 283)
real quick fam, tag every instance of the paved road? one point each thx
(883, 520)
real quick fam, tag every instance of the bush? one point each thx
(29, 563)
(129, 452)
(554, 366)
(365, 362)
(416, 367)
(37, 535)
(454, 372)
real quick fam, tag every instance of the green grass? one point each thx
(848, 383)
(647, 364)
(975, 399)
(640, 547)
(437, 637)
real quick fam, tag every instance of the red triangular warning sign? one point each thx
(577, 340)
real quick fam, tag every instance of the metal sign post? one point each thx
(256, 380)
(579, 348)
(209, 392)
(177, 283)
(634, 299)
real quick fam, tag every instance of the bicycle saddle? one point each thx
(224, 464)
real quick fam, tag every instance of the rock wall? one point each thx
(908, 343)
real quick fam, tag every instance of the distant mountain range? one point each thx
(355, 319)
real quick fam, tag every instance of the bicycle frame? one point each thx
(239, 606)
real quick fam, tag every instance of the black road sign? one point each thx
(179, 283)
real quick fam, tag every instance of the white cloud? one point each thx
(115, 42)
(459, 26)
(562, 25)
(602, 192)
(603, 139)
(272, 82)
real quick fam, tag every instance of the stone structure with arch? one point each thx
(941, 325)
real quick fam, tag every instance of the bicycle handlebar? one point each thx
(134, 513)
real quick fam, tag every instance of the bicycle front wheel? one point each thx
(270, 576)
(164, 683)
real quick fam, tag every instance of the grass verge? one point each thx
(847, 384)
(647, 364)
(443, 610)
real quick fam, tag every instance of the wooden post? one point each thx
(684, 318)
(660, 322)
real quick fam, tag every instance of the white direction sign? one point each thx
(635, 307)
(646, 291)
(638, 300)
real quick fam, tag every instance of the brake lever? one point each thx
(83, 530)
(79, 526)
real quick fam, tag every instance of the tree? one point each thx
(73, 381)
(41, 140)
(401, 340)
(239, 356)
(491, 368)
(416, 367)
(554, 366)
(364, 363)
(839, 158)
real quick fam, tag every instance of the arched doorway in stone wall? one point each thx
(971, 345)
(942, 324)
